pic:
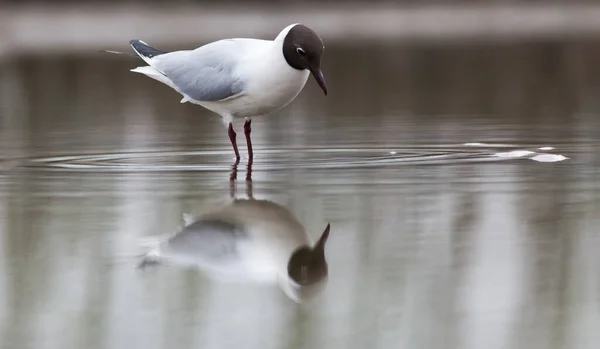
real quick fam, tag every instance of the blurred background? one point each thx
(456, 157)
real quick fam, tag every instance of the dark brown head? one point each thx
(308, 266)
(302, 49)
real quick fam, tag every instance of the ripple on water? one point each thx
(306, 158)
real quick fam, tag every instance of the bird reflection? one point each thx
(249, 240)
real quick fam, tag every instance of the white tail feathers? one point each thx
(187, 218)
(149, 71)
(154, 74)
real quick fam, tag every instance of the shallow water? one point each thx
(446, 229)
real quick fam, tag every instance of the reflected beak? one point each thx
(323, 239)
(318, 75)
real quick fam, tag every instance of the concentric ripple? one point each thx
(306, 158)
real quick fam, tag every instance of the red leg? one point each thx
(232, 135)
(247, 130)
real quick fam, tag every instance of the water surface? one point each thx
(440, 236)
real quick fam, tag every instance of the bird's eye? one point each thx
(300, 51)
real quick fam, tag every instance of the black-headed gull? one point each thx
(239, 77)
(249, 240)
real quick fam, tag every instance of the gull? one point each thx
(239, 77)
(248, 240)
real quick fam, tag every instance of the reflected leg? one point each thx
(249, 174)
(232, 136)
(247, 130)
(232, 182)
(234, 170)
(249, 189)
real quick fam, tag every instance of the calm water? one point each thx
(435, 242)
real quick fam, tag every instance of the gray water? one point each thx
(440, 236)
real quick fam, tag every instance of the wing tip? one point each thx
(137, 41)
(145, 263)
(144, 50)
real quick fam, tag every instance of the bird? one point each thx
(248, 240)
(239, 77)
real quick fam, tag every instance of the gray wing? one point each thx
(209, 240)
(206, 73)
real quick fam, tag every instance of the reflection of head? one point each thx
(307, 268)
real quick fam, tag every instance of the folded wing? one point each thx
(206, 74)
